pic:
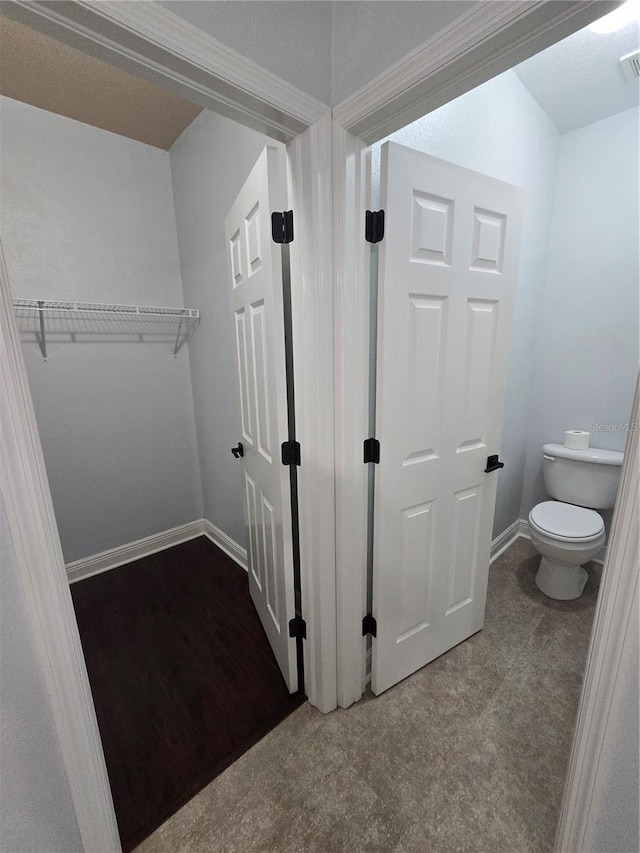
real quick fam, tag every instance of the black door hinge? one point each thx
(298, 628)
(374, 226)
(282, 226)
(290, 452)
(369, 626)
(371, 450)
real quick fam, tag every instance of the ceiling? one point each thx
(328, 49)
(45, 73)
(579, 80)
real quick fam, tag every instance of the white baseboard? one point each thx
(506, 539)
(114, 557)
(226, 544)
(601, 556)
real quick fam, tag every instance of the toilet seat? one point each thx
(566, 522)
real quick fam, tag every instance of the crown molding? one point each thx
(148, 40)
(491, 38)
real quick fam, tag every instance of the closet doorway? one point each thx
(120, 273)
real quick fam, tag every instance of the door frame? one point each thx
(487, 41)
(328, 165)
(614, 625)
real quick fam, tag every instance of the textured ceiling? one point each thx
(41, 71)
(579, 80)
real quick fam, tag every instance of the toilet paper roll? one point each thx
(577, 439)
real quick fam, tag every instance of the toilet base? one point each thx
(559, 580)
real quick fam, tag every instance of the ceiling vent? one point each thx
(631, 65)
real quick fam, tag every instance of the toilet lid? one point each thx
(567, 520)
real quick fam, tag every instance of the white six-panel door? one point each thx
(448, 273)
(256, 296)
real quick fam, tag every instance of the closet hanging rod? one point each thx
(105, 308)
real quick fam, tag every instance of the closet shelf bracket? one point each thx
(42, 337)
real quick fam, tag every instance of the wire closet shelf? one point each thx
(186, 318)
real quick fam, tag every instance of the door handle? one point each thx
(238, 451)
(493, 464)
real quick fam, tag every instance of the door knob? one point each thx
(493, 464)
(238, 451)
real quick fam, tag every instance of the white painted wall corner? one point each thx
(505, 540)
(226, 544)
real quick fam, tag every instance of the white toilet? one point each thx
(567, 531)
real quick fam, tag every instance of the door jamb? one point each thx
(352, 189)
(615, 618)
(45, 587)
(162, 48)
(312, 314)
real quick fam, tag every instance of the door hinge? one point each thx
(282, 226)
(298, 628)
(369, 626)
(290, 452)
(374, 226)
(371, 450)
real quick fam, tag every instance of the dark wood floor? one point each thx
(182, 677)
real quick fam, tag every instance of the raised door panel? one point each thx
(255, 277)
(447, 276)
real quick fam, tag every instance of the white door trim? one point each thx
(489, 39)
(32, 526)
(351, 191)
(312, 312)
(149, 40)
(616, 613)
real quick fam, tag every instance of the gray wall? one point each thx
(36, 809)
(499, 129)
(88, 215)
(209, 164)
(587, 351)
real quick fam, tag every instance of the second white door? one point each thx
(255, 273)
(448, 274)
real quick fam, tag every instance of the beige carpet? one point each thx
(468, 754)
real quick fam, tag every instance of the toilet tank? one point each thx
(582, 477)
